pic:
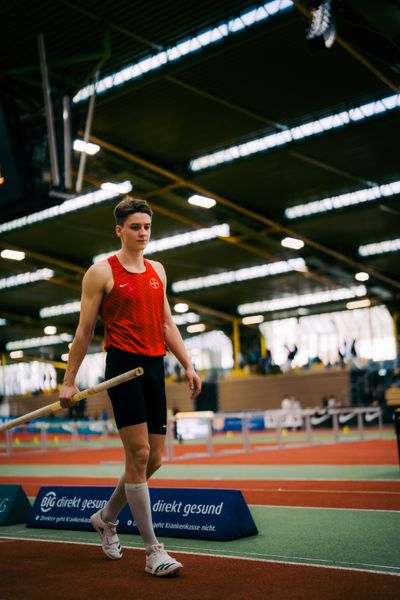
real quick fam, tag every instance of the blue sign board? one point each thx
(14, 505)
(210, 514)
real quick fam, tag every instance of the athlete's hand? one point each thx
(66, 393)
(194, 382)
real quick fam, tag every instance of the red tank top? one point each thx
(133, 312)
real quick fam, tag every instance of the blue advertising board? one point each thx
(210, 514)
(14, 505)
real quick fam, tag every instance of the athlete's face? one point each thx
(135, 232)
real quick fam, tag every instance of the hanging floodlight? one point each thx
(322, 31)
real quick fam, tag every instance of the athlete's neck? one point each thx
(132, 261)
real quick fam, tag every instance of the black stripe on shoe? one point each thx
(165, 566)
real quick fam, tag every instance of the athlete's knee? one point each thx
(138, 454)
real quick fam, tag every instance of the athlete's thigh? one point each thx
(134, 437)
(155, 398)
(157, 443)
(127, 399)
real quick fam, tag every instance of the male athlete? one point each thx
(129, 292)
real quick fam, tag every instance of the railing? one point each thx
(40, 435)
(277, 423)
(280, 420)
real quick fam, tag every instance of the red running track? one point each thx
(373, 452)
(374, 495)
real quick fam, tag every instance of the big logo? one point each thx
(3, 504)
(48, 502)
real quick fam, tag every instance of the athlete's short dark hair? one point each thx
(128, 206)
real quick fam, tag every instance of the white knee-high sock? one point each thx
(138, 497)
(116, 503)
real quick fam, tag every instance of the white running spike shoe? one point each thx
(109, 537)
(160, 563)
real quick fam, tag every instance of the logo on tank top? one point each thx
(154, 283)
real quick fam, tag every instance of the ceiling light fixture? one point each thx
(197, 328)
(88, 148)
(361, 276)
(289, 135)
(119, 188)
(343, 201)
(50, 330)
(68, 206)
(201, 201)
(253, 320)
(365, 303)
(181, 307)
(185, 47)
(322, 30)
(380, 247)
(302, 300)
(60, 309)
(25, 278)
(189, 317)
(48, 340)
(293, 243)
(266, 270)
(12, 254)
(16, 354)
(176, 241)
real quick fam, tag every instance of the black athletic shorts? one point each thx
(140, 400)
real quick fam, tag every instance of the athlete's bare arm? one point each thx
(174, 340)
(96, 281)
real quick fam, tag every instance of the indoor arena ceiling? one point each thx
(276, 118)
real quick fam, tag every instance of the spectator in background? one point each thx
(367, 396)
(291, 354)
(295, 403)
(314, 361)
(178, 372)
(396, 377)
(175, 410)
(332, 402)
(292, 406)
(380, 395)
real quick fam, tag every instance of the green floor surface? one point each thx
(216, 472)
(365, 540)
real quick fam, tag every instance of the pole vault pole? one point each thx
(50, 408)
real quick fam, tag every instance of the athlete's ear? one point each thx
(118, 229)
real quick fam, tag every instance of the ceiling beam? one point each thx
(326, 167)
(41, 323)
(61, 62)
(232, 240)
(29, 358)
(226, 103)
(131, 34)
(239, 208)
(266, 120)
(45, 259)
(204, 309)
